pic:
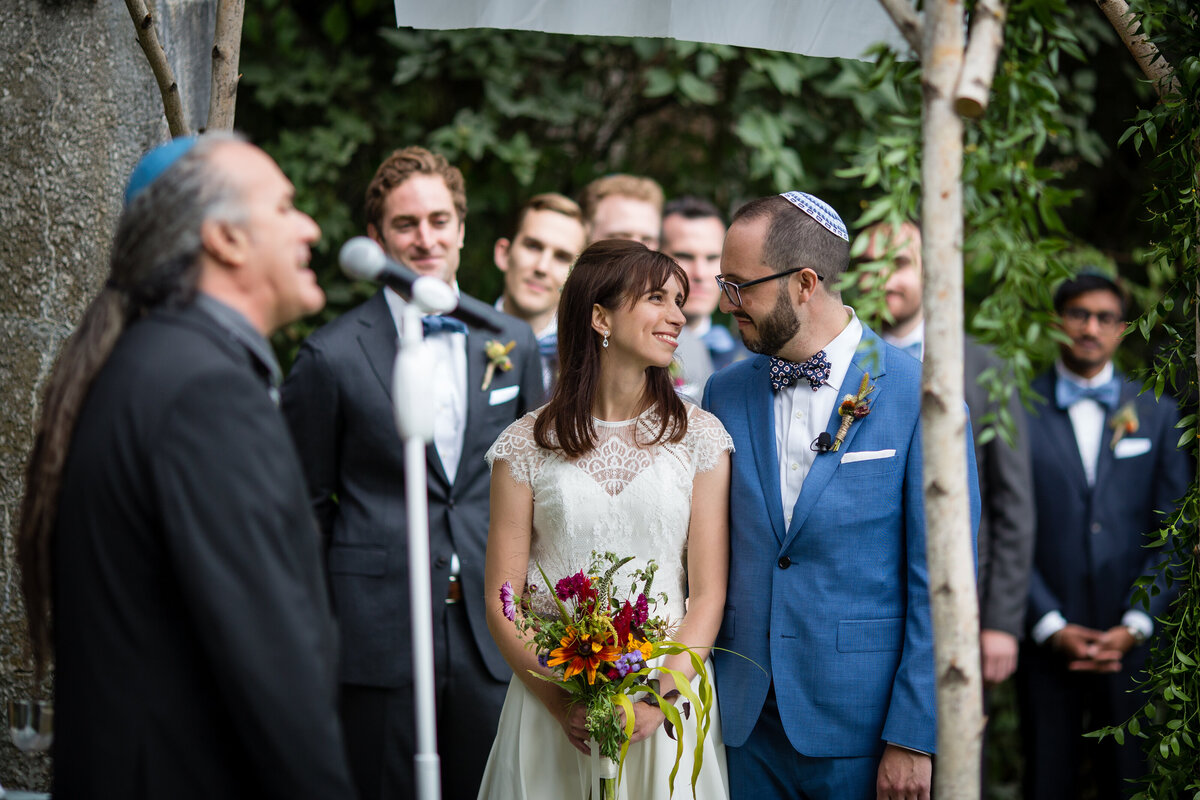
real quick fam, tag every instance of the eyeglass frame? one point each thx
(736, 297)
(1081, 317)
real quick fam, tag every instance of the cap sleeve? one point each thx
(706, 439)
(517, 448)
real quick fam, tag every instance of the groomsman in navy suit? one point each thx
(827, 683)
(1105, 462)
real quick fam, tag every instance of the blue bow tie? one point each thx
(785, 373)
(432, 325)
(719, 340)
(1068, 393)
(548, 345)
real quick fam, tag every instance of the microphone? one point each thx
(362, 258)
(823, 443)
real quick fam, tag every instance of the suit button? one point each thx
(441, 561)
(1096, 527)
(450, 503)
(784, 562)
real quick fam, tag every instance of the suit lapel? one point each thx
(1104, 461)
(477, 398)
(869, 356)
(1061, 434)
(760, 414)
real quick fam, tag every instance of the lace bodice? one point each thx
(622, 497)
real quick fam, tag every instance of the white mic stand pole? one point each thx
(414, 420)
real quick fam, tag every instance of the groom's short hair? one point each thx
(794, 239)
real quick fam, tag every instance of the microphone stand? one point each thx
(414, 421)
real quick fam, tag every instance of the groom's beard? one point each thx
(775, 330)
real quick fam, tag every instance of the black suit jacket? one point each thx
(1006, 491)
(1091, 540)
(195, 648)
(338, 400)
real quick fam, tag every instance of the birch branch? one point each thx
(1145, 52)
(167, 87)
(906, 19)
(227, 47)
(979, 64)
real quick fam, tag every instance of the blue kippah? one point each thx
(155, 163)
(819, 210)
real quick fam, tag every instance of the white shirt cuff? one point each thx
(1050, 624)
(909, 749)
(1138, 620)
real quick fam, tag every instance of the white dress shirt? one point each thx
(446, 388)
(1087, 420)
(801, 414)
(914, 337)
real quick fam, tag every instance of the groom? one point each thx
(832, 541)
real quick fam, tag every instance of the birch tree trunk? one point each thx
(944, 437)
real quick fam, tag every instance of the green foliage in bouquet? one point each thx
(599, 648)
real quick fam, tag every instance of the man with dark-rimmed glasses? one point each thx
(1105, 463)
(827, 527)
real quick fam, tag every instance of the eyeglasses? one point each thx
(1080, 316)
(733, 291)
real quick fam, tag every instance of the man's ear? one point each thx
(500, 254)
(373, 233)
(600, 320)
(806, 285)
(224, 241)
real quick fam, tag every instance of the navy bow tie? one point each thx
(785, 373)
(432, 325)
(1068, 393)
(548, 345)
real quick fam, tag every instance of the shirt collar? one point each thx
(702, 326)
(914, 336)
(551, 328)
(236, 324)
(397, 304)
(1104, 376)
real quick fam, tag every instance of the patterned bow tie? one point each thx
(433, 325)
(785, 373)
(548, 345)
(1068, 393)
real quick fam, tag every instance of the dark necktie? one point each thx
(433, 325)
(1068, 393)
(815, 370)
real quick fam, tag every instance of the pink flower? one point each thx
(507, 602)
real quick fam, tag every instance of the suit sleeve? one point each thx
(1174, 471)
(912, 716)
(248, 569)
(1008, 507)
(310, 403)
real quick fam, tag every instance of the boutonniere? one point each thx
(1125, 421)
(675, 373)
(497, 355)
(854, 406)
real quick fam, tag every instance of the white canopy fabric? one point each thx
(826, 28)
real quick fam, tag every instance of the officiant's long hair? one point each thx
(611, 273)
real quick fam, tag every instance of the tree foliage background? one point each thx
(1051, 183)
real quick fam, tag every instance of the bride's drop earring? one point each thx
(605, 342)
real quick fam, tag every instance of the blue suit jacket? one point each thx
(1090, 544)
(844, 629)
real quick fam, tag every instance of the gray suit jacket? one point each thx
(338, 401)
(1007, 523)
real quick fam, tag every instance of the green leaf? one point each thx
(696, 89)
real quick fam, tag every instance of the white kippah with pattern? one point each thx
(819, 210)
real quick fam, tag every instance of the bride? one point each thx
(614, 462)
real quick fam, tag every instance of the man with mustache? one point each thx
(1105, 463)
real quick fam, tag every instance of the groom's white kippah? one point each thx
(819, 210)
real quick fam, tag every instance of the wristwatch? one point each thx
(1139, 638)
(651, 700)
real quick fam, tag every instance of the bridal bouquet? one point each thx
(599, 647)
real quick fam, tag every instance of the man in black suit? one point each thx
(195, 647)
(338, 400)
(1105, 465)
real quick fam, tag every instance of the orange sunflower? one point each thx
(580, 653)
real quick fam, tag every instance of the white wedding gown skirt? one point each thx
(532, 759)
(633, 500)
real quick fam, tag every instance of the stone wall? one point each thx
(78, 106)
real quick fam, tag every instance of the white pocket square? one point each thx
(1128, 448)
(503, 395)
(867, 455)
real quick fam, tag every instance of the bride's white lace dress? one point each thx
(629, 500)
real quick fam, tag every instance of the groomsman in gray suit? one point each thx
(338, 400)
(1006, 523)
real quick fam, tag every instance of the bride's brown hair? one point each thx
(611, 273)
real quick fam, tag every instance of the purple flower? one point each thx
(543, 660)
(630, 662)
(507, 602)
(641, 610)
